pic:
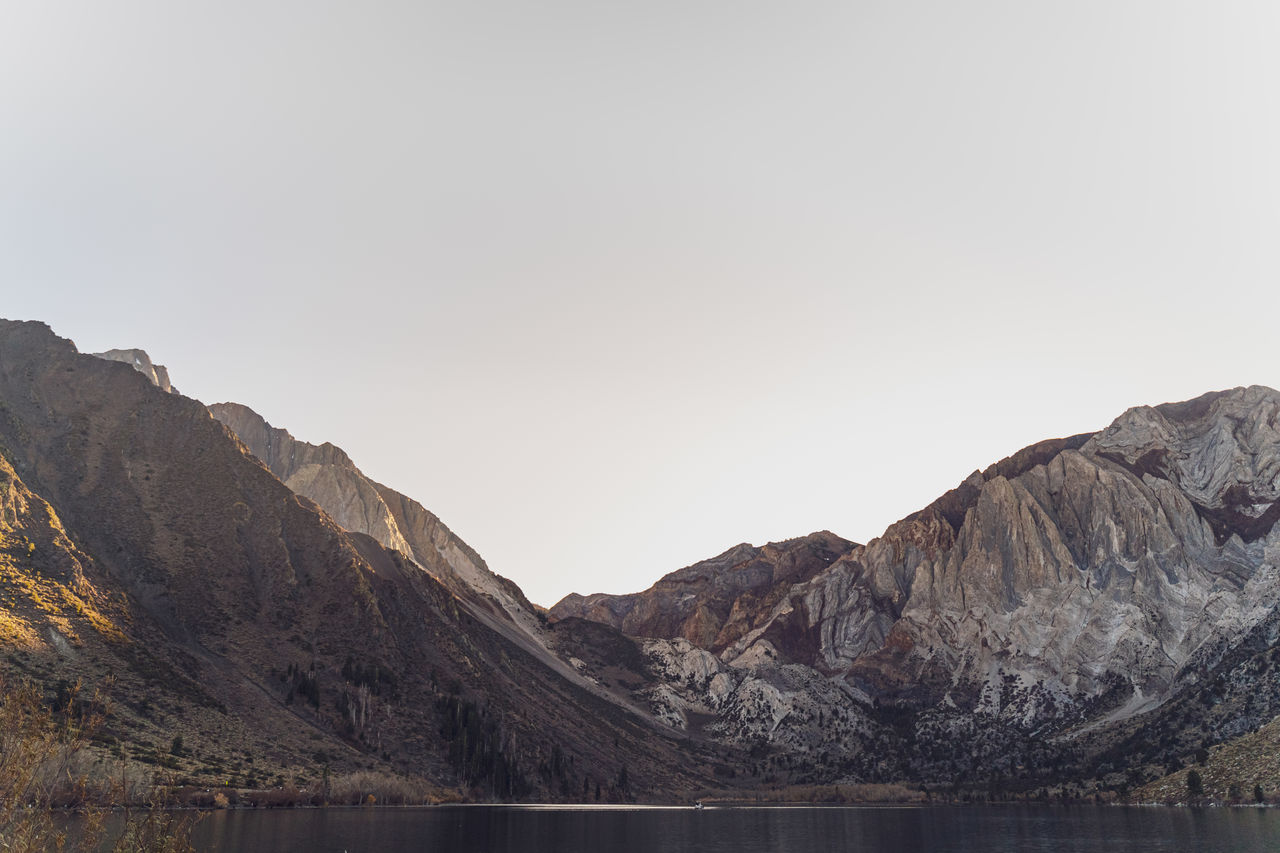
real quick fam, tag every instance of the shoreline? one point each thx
(724, 805)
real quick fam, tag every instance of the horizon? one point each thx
(611, 290)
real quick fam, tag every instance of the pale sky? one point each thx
(612, 287)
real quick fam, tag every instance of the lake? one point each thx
(534, 829)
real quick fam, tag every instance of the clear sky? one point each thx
(613, 286)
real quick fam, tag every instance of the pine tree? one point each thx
(1195, 785)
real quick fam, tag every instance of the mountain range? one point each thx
(1084, 616)
(1068, 609)
(148, 552)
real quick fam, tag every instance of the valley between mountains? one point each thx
(1089, 616)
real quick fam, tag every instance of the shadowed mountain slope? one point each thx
(229, 608)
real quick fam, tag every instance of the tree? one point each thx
(1195, 785)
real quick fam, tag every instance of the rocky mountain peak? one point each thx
(1221, 449)
(325, 474)
(141, 362)
(285, 455)
(1083, 578)
(716, 602)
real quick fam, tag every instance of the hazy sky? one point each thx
(612, 287)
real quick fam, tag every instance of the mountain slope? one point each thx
(708, 603)
(1025, 618)
(325, 474)
(141, 362)
(236, 609)
(1237, 771)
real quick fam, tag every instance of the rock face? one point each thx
(1125, 560)
(325, 474)
(715, 602)
(1094, 581)
(140, 362)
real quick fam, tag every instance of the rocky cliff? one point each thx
(715, 602)
(1084, 585)
(325, 474)
(1123, 561)
(141, 362)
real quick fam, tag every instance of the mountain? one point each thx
(1089, 614)
(1084, 593)
(325, 474)
(715, 602)
(148, 553)
(141, 362)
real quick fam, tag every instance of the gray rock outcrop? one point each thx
(141, 362)
(1081, 581)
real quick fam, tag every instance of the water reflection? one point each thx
(513, 829)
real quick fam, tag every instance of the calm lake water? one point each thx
(516, 829)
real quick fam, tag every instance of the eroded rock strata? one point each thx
(1074, 588)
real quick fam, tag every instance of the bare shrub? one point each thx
(45, 766)
(852, 793)
(386, 789)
